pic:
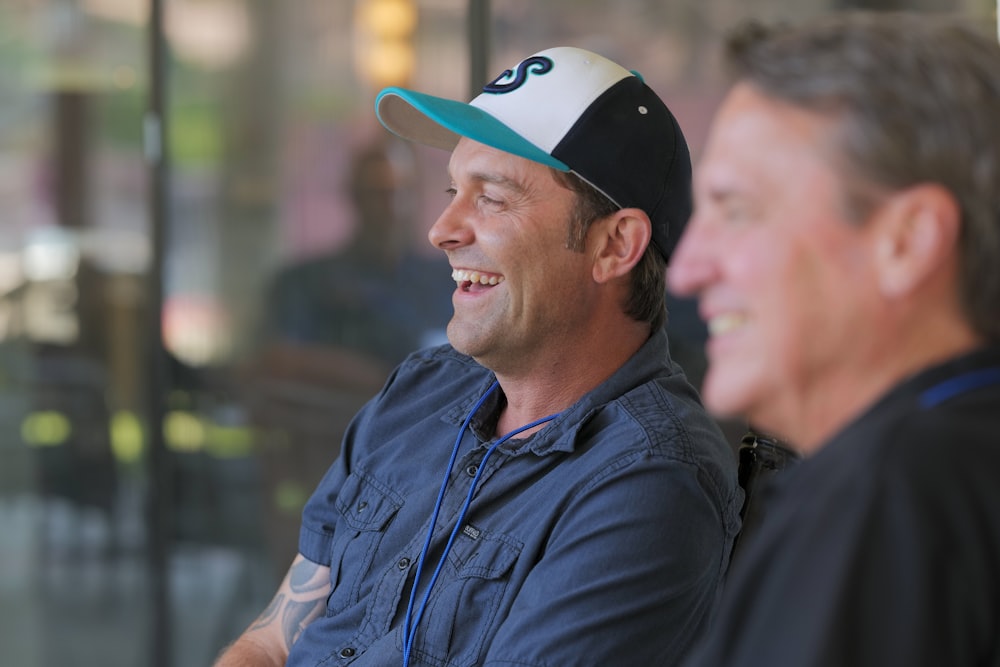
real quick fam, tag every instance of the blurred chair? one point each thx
(68, 430)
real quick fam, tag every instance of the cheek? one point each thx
(771, 281)
(733, 385)
(761, 273)
(815, 315)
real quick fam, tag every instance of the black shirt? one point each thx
(883, 548)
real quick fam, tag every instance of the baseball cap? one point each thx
(573, 110)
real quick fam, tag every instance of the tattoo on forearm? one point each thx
(297, 616)
(301, 598)
(268, 615)
(302, 578)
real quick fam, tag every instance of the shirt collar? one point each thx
(650, 361)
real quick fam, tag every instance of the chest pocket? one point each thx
(461, 614)
(365, 508)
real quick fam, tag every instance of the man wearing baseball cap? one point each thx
(547, 488)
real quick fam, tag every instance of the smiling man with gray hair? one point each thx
(845, 250)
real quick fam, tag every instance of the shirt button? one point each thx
(403, 563)
(347, 652)
(471, 471)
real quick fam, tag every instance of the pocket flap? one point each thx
(485, 556)
(365, 504)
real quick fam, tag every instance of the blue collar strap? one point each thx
(959, 384)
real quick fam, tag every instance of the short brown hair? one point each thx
(647, 300)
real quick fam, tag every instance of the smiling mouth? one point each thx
(469, 279)
(723, 324)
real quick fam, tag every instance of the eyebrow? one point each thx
(497, 179)
(725, 193)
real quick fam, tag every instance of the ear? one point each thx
(618, 243)
(917, 236)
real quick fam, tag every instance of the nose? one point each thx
(451, 229)
(693, 265)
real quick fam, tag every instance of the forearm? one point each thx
(299, 600)
(250, 650)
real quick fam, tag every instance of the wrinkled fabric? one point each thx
(599, 540)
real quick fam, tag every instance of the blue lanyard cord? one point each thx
(407, 633)
(410, 631)
(959, 384)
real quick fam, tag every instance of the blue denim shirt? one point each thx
(601, 539)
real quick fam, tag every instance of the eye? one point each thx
(734, 212)
(730, 205)
(451, 192)
(740, 213)
(488, 201)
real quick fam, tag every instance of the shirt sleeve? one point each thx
(319, 515)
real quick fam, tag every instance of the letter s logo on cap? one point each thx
(533, 65)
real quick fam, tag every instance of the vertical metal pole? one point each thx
(158, 498)
(479, 45)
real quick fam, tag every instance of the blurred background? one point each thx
(211, 255)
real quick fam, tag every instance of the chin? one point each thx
(469, 347)
(454, 333)
(725, 395)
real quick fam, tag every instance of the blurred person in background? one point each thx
(845, 249)
(377, 298)
(335, 325)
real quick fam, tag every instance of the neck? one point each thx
(854, 386)
(548, 387)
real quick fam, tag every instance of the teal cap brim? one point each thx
(439, 122)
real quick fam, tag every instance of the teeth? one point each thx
(462, 275)
(725, 323)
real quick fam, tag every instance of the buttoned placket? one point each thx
(393, 590)
(462, 476)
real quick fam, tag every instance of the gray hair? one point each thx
(918, 100)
